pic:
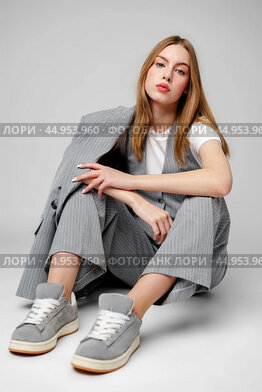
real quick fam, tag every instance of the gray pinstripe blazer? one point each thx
(112, 149)
(104, 149)
(87, 149)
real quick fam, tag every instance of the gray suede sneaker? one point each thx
(114, 336)
(50, 317)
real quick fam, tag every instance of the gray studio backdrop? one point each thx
(63, 59)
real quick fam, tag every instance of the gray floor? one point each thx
(209, 342)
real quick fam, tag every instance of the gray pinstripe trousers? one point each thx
(200, 228)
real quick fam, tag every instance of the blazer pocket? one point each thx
(39, 225)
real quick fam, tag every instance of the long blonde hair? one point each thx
(192, 107)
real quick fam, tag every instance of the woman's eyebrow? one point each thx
(181, 63)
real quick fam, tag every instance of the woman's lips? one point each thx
(163, 89)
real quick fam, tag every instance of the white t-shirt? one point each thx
(155, 147)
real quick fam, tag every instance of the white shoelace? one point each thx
(40, 310)
(107, 323)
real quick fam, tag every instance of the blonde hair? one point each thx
(192, 107)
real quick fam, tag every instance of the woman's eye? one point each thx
(180, 70)
(183, 73)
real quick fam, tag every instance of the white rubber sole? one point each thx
(103, 366)
(20, 346)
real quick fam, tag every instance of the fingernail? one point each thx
(79, 165)
(74, 179)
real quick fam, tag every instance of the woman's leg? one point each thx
(201, 230)
(148, 289)
(64, 268)
(77, 240)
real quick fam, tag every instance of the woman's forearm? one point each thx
(128, 197)
(203, 182)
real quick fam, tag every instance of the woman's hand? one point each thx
(158, 219)
(103, 177)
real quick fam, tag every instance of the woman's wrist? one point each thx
(134, 198)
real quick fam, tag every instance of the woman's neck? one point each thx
(163, 116)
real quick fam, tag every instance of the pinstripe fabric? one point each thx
(81, 149)
(85, 224)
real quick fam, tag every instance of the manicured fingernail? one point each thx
(74, 179)
(79, 165)
(83, 191)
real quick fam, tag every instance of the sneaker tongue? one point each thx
(116, 302)
(49, 290)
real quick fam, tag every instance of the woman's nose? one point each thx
(167, 77)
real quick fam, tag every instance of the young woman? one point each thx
(168, 201)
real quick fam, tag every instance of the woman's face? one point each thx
(168, 69)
